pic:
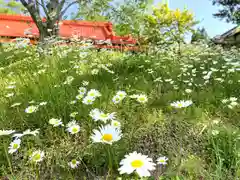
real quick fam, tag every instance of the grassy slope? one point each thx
(184, 135)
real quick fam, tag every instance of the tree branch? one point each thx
(68, 6)
(44, 8)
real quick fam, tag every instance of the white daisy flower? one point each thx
(42, 103)
(27, 132)
(96, 114)
(93, 93)
(88, 100)
(95, 71)
(37, 156)
(74, 163)
(79, 96)
(142, 98)
(11, 87)
(82, 90)
(9, 95)
(233, 99)
(73, 114)
(73, 127)
(6, 132)
(162, 160)
(69, 80)
(122, 94)
(85, 83)
(142, 164)
(16, 104)
(224, 101)
(116, 99)
(215, 132)
(181, 104)
(188, 91)
(115, 124)
(14, 146)
(73, 102)
(55, 122)
(106, 134)
(31, 109)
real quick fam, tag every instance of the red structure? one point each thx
(18, 26)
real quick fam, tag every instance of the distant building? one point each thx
(229, 38)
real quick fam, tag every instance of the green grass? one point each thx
(186, 136)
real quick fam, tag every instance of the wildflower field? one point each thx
(75, 113)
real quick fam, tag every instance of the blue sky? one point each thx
(203, 10)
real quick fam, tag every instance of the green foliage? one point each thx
(166, 26)
(11, 7)
(94, 10)
(230, 10)
(184, 135)
(128, 16)
(200, 35)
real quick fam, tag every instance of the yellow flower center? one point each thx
(115, 123)
(180, 105)
(36, 157)
(104, 115)
(137, 163)
(89, 100)
(92, 94)
(74, 161)
(161, 160)
(107, 137)
(15, 146)
(142, 99)
(75, 130)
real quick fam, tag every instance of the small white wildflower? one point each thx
(85, 83)
(55, 122)
(82, 90)
(73, 114)
(215, 132)
(122, 94)
(42, 103)
(73, 102)
(106, 134)
(11, 87)
(14, 146)
(74, 163)
(181, 104)
(188, 91)
(142, 98)
(233, 99)
(6, 132)
(16, 104)
(162, 160)
(224, 101)
(69, 80)
(88, 100)
(37, 156)
(116, 99)
(73, 127)
(9, 95)
(93, 93)
(115, 124)
(79, 96)
(137, 162)
(94, 71)
(31, 109)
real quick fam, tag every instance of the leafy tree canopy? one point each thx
(230, 10)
